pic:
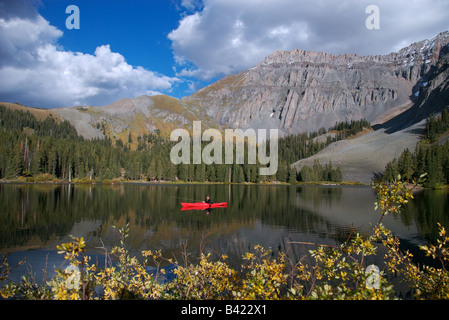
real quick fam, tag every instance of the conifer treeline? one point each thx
(14, 120)
(429, 156)
(348, 128)
(436, 125)
(303, 145)
(29, 148)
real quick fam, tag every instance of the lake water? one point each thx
(36, 218)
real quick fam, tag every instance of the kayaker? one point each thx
(208, 200)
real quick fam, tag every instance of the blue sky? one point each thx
(124, 49)
(139, 31)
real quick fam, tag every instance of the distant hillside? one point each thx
(17, 118)
(40, 114)
(135, 117)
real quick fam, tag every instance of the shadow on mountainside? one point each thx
(432, 99)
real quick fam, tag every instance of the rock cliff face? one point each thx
(433, 94)
(298, 90)
(427, 65)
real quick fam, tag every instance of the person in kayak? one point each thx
(208, 200)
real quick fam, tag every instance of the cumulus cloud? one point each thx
(227, 36)
(36, 71)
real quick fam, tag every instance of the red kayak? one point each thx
(202, 205)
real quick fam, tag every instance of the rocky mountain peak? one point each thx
(298, 90)
(299, 56)
(416, 60)
(411, 62)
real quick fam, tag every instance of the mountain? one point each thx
(364, 156)
(297, 91)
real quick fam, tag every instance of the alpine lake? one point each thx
(35, 218)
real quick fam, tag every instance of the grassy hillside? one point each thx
(40, 114)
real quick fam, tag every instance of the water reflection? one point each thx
(38, 217)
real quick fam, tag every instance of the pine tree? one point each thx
(337, 175)
(327, 172)
(159, 170)
(221, 173)
(291, 174)
(211, 173)
(405, 165)
(14, 164)
(282, 173)
(240, 177)
(434, 166)
(200, 172)
(391, 171)
(151, 170)
(306, 174)
(317, 170)
(190, 172)
(170, 174)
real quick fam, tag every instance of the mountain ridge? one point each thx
(296, 91)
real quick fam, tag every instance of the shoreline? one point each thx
(145, 182)
(116, 182)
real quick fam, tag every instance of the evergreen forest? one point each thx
(431, 156)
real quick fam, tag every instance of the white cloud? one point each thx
(19, 39)
(227, 36)
(191, 4)
(35, 71)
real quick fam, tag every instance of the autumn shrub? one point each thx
(207, 280)
(263, 277)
